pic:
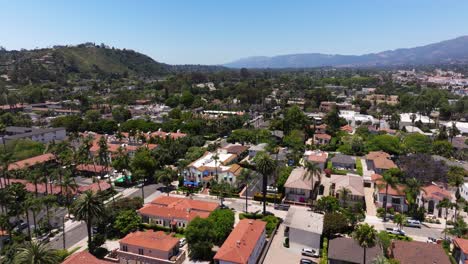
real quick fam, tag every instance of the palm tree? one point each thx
(445, 203)
(400, 220)
(246, 177)
(68, 186)
(344, 193)
(389, 179)
(456, 178)
(165, 178)
(265, 166)
(366, 236)
(453, 131)
(413, 189)
(313, 171)
(88, 207)
(5, 160)
(216, 159)
(32, 252)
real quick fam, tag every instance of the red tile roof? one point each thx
(323, 136)
(95, 187)
(151, 240)
(152, 210)
(184, 203)
(31, 161)
(92, 168)
(435, 192)
(318, 157)
(84, 257)
(347, 128)
(381, 160)
(240, 244)
(407, 252)
(399, 191)
(30, 187)
(376, 177)
(462, 244)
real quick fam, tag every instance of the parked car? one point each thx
(307, 261)
(182, 242)
(284, 207)
(431, 240)
(395, 231)
(413, 223)
(310, 252)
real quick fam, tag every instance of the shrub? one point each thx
(286, 242)
(359, 169)
(324, 258)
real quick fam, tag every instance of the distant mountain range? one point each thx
(454, 51)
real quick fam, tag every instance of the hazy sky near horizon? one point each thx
(220, 31)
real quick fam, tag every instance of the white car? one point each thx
(310, 252)
(396, 231)
(413, 223)
(182, 242)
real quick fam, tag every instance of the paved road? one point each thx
(76, 233)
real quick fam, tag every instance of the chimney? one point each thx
(238, 243)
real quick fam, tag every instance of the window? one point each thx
(395, 200)
(124, 248)
(140, 251)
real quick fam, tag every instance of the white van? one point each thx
(413, 223)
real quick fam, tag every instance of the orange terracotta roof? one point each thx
(84, 257)
(376, 177)
(322, 136)
(435, 192)
(184, 203)
(152, 210)
(30, 187)
(318, 157)
(92, 168)
(95, 187)
(31, 161)
(240, 244)
(347, 128)
(384, 163)
(462, 244)
(235, 169)
(399, 191)
(376, 154)
(151, 240)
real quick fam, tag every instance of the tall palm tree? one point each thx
(68, 187)
(344, 193)
(313, 171)
(33, 252)
(265, 166)
(216, 159)
(5, 160)
(246, 177)
(445, 203)
(366, 236)
(413, 189)
(88, 207)
(400, 220)
(389, 179)
(456, 178)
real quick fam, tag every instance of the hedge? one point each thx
(155, 227)
(324, 256)
(269, 197)
(359, 167)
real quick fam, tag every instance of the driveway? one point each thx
(370, 205)
(278, 254)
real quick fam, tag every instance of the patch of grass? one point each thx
(359, 167)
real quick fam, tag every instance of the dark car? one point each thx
(284, 207)
(307, 261)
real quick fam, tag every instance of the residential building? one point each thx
(460, 250)
(237, 149)
(344, 162)
(379, 161)
(353, 183)
(316, 156)
(150, 247)
(253, 150)
(345, 250)
(321, 139)
(406, 119)
(347, 128)
(245, 243)
(303, 227)
(410, 252)
(298, 187)
(211, 165)
(31, 162)
(464, 191)
(376, 99)
(84, 257)
(396, 197)
(42, 135)
(175, 212)
(429, 198)
(321, 129)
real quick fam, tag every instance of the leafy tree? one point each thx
(127, 221)
(327, 204)
(387, 143)
(335, 223)
(417, 143)
(423, 167)
(199, 234)
(121, 114)
(442, 148)
(143, 165)
(366, 236)
(344, 193)
(334, 121)
(295, 140)
(283, 176)
(223, 222)
(294, 118)
(33, 252)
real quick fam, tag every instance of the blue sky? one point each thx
(219, 31)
